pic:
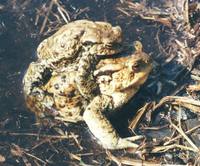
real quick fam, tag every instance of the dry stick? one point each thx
(66, 13)
(193, 108)
(20, 152)
(137, 118)
(85, 154)
(113, 158)
(62, 14)
(159, 149)
(25, 160)
(186, 13)
(30, 155)
(183, 47)
(46, 17)
(176, 99)
(133, 162)
(123, 11)
(37, 17)
(130, 161)
(74, 156)
(36, 135)
(161, 102)
(61, 10)
(179, 136)
(196, 149)
(155, 127)
(186, 100)
(162, 50)
(179, 117)
(56, 16)
(39, 144)
(76, 141)
(191, 104)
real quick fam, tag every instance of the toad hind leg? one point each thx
(102, 128)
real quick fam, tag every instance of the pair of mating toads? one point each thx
(76, 77)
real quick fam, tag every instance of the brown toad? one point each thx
(118, 79)
(77, 46)
(96, 38)
(82, 41)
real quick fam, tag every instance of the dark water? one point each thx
(14, 59)
(19, 38)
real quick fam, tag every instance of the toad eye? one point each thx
(88, 43)
(136, 66)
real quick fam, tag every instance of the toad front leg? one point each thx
(102, 128)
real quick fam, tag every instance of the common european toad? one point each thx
(79, 44)
(51, 87)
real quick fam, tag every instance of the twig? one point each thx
(77, 142)
(40, 143)
(140, 113)
(61, 10)
(176, 99)
(113, 158)
(32, 156)
(130, 161)
(155, 128)
(159, 149)
(196, 149)
(74, 156)
(179, 136)
(36, 135)
(16, 150)
(46, 17)
(159, 44)
(62, 15)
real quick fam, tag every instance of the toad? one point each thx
(78, 46)
(118, 79)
